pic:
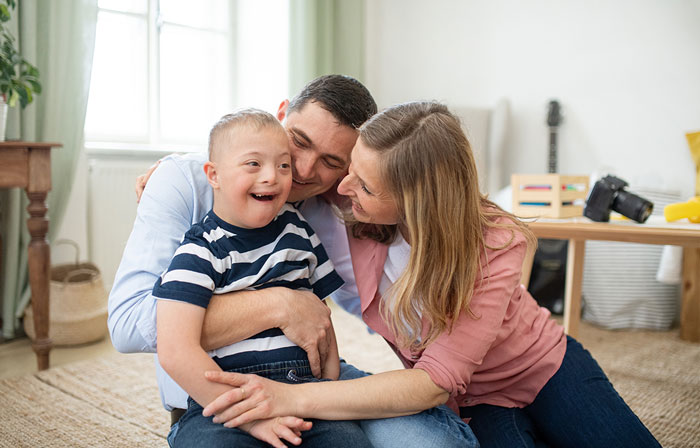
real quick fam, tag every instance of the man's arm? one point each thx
(163, 216)
(301, 316)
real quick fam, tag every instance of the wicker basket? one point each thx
(77, 304)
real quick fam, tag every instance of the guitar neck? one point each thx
(552, 160)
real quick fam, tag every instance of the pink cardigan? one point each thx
(503, 357)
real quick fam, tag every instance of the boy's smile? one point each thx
(251, 176)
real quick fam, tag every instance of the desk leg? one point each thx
(39, 260)
(690, 305)
(574, 278)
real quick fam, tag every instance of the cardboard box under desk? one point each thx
(548, 195)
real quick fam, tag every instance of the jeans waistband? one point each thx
(293, 371)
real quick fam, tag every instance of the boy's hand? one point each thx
(142, 180)
(272, 430)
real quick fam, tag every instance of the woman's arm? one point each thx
(389, 394)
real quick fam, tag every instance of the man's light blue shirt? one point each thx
(178, 195)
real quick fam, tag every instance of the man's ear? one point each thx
(210, 171)
(282, 110)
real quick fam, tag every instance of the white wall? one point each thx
(74, 224)
(627, 73)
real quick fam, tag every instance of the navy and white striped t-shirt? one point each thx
(216, 257)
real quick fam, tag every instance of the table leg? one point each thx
(39, 261)
(527, 267)
(690, 305)
(574, 278)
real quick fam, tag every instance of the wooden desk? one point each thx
(578, 230)
(28, 165)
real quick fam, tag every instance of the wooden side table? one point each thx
(578, 230)
(28, 165)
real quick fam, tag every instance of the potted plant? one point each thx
(19, 80)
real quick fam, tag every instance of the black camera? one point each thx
(609, 194)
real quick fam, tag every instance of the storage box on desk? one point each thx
(548, 195)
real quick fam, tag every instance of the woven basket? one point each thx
(77, 304)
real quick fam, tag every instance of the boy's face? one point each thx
(251, 176)
(320, 149)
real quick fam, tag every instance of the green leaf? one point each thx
(4, 13)
(12, 102)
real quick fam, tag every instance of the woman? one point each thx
(438, 271)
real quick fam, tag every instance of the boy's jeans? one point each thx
(437, 427)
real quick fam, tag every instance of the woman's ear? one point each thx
(282, 110)
(212, 177)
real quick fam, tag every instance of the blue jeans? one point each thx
(578, 407)
(194, 430)
(439, 427)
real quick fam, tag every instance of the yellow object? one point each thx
(680, 210)
(694, 144)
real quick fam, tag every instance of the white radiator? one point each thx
(112, 208)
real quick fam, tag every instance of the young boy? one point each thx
(251, 239)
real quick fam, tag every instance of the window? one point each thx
(165, 70)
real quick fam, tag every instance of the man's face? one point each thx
(320, 149)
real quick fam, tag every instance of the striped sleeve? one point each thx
(192, 275)
(324, 279)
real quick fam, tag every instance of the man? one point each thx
(321, 124)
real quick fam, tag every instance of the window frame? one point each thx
(154, 142)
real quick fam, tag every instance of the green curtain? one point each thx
(326, 36)
(59, 38)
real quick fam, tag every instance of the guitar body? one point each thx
(547, 279)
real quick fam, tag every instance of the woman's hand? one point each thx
(252, 398)
(273, 429)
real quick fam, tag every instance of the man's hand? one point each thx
(142, 180)
(273, 429)
(308, 324)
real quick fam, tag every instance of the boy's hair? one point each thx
(254, 119)
(343, 96)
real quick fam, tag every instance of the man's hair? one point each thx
(343, 96)
(254, 119)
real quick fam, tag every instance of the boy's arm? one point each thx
(179, 328)
(179, 352)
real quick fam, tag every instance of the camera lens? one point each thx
(632, 206)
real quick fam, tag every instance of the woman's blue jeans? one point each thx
(439, 427)
(578, 407)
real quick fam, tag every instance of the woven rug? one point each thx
(113, 401)
(110, 402)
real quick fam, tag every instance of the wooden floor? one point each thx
(17, 357)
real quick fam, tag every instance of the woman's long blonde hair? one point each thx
(428, 167)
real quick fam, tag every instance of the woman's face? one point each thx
(371, 201)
